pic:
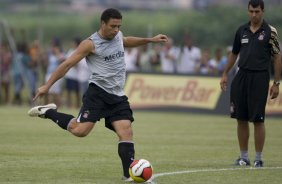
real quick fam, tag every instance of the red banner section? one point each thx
(148, 90)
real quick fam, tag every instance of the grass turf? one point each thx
(34, 150)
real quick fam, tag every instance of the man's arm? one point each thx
(231, 61)
(277, 67)
(275, 50)
(131, 41)
(274, 90)
(82, 51)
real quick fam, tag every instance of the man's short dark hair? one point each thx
(256, 3)
(110, 13)
(77, 40)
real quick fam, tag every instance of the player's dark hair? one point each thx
(77, 40)
(256, 3)
(110, 13)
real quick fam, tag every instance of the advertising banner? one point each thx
(148, 90)
(184, 93)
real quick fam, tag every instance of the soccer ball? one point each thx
(140, 170)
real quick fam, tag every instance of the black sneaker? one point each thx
(242, 162)
(258, 163)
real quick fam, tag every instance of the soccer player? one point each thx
(257, 43)
(104, 98)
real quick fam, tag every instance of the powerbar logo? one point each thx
(158, 90)
(114, 56)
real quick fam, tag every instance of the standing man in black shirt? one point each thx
(257, 43)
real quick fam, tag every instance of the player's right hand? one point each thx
(41, 91)
(223, 83)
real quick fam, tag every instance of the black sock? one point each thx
(60, 119)
(126, 153)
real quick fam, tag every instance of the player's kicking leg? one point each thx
(65, 121)
(39, 111)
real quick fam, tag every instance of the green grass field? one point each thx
(183, 148)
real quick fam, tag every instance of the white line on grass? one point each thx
(213, 170)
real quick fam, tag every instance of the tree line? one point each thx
(209, 28)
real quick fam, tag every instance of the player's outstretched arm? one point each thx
(82, 51)
(131, 41)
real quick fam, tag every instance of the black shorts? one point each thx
(72, 85)
(249, 90)
(97, 104)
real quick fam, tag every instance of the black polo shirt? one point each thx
(256, 48)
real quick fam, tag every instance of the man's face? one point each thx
(255, 14)
(111, 28)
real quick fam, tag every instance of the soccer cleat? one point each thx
(258, 163)
(39, 111)
(150, 180)
(125, 179)
(242, 162)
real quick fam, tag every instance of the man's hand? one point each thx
(274, 91)
(160, 38)
(223, 82)
(41, 91)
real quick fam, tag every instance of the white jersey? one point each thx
(107, 64)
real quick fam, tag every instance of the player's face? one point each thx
(111, 28)
(255, 14)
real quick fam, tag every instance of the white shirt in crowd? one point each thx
(188, 60)
(83, 71)
(169, 60)
(72, 73)
(130, 58)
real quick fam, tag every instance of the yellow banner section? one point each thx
(274, 106)
(146, 90)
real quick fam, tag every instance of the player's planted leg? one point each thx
(126, 153)
(126, 146)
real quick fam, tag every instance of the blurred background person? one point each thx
(5, 66)
(189, 57)
(203, 67)
(20, 60)
(215, 61)
(55, 57)
(71, 80)
(156, 57)
(144, 58)
(169, 56)
(83, 74)
(223, 61)
(32, 67)
(130, 57)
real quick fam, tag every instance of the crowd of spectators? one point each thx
(31, 65)
(184, 59)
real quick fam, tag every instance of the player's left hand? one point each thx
(160, 38)
(274, 91)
